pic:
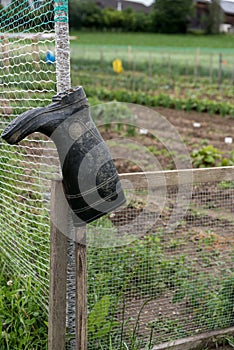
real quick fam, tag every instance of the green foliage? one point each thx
(228, 161)
(23, 322)
(172, 18)
(99, 326)
(86, 14)
(116, 114)
(214, 19)
(207, 156)
(162, 99)
(210, 305)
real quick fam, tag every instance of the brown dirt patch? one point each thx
(212, 131)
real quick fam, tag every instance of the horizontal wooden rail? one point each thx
(177, 177)
(199, 341)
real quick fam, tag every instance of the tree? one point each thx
(84, 13)
(172, 16)
(215, 18)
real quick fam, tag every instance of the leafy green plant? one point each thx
(228, 161)
(207, 156)
(230, 340)
(114, 112)
(99, 326)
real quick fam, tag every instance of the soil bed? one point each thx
(212, 131)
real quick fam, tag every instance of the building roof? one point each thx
(227, 6)
(144, 2)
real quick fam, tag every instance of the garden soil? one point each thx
(212, 131)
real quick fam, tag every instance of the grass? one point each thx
(23, 323)
(153, 41)
(159, 70)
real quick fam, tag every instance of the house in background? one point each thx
(228, 10)
(202, 11)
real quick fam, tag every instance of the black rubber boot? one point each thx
(90, 180)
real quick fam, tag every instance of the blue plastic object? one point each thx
(50, 57)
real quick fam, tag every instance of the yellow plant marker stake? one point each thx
(117, 66)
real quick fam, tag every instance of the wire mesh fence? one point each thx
(146, 284)
(192, 63)
(164, 284)
(27, 80)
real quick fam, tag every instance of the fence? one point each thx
(27, 80)
(157, 285)
(210, 64)
(165, 284)
(153, 282)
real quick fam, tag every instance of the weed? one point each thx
(23, 322)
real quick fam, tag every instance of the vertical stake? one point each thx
(220, 70)
(169, 66)
(211, 68)
(58, 269)
(233, 74)
(196, 64)
(129, 57)
(101, 58)
(81, 289)
(150, 66)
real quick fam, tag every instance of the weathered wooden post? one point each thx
(220, 70)
(60, 251)
(58, 269)
(211, 68)
(81, 289)
(150, 66)
(70, 290)
(196, 64)
(129, 57)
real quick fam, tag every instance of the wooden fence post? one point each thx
(150, 65)
(211, 68)
(129, 57)
(233, 74)
(196, 64)
(101, 59)
(60, 225)
(58, 269)
(81, 289)
(220, 70)
(169, 66)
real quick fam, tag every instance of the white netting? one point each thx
(27, 80)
